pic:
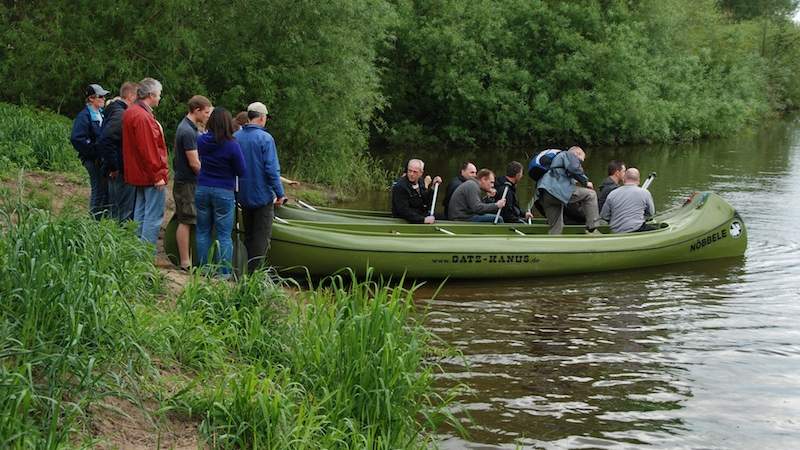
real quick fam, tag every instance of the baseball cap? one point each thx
(258, 107)
(95, 89)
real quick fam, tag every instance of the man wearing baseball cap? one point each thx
(85, 134)
(260, 189)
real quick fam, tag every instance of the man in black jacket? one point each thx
(511, 213)
(616, 171)
(468, 170)
(410, 199)
(121, 195)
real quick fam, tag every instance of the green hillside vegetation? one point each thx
(32, 139)
(84, 320)
(341, 75)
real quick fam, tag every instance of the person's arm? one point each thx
(575, 169)
(110, 140)
(272, 167)
(150, 135)
(193, 159)
(605, 213)
(651, 207)
(475, 204)
(239, 166)
(82, 138)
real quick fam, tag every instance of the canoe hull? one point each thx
(318, 251)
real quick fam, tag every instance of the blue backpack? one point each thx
(540, 163)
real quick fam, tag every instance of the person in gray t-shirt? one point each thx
(627, 207)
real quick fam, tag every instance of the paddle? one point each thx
(305, 205)
(649, 180)
(497, 216)
(435, 192)
(530, 205)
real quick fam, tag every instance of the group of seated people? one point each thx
(563, 191)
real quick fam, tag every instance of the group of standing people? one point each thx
(561, 188)
(125, 154)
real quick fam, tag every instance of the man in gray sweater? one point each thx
(466, 204)
(628, 206)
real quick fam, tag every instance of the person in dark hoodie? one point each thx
(511, 212)
(85, 132)
(121, 196)
(616, 172)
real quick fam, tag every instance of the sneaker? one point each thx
(594, 231)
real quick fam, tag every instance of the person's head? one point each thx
(631, 176)
(616, 169)
(577, 151)
(257, 114)
(468, 169)
(514, 171)
(485, 179)
(414, 170)
(220, 124)
(95, 96)
(241, 119)
(199, 109)
(127, 92)
(149, 92)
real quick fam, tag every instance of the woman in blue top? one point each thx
(221, 161)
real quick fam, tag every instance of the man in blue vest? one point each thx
(260, 190)
(85, 133)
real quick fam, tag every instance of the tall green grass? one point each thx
(342, 365)
(67, 286)
(35, 139)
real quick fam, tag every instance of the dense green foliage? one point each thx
(421, 71)
(340, 366)
(35, 140)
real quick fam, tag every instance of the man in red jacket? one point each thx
(144, 156)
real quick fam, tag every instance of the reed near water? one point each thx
(84, 319)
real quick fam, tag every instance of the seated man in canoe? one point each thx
(628, 207)
(507, 184)
(559, 188)
(411, 200)
(466, 203)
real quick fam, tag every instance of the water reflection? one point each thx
(701, 355)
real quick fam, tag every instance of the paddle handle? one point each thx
(497, 216)
(649, 180)
(433, 203)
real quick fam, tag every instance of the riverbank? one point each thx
(103, 347)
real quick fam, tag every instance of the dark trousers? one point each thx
(257, 233)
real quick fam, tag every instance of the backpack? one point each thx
(540, 163)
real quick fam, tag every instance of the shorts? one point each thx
(185, 211)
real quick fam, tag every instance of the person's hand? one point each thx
(113, 174)
(429, 220)
(589, 185)
(528, 215)
(437, 180)
(492, 192)
(160, 185)
(427, 181)
(279, 201)
(501, 203)
(294, 183)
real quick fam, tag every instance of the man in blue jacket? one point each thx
(260, 190)
(85, 133)
(559, 188)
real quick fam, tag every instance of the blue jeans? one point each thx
(215, 208)
(98, 201)
(149, 212)
(485, 218)
(122, 197)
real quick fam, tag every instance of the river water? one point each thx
(703, 355)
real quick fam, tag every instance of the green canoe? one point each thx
(706, 227)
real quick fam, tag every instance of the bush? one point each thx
(34, 139)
